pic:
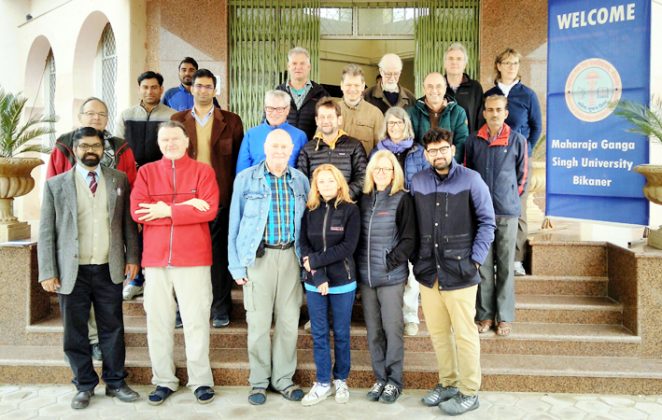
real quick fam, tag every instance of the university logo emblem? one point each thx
(591, 89)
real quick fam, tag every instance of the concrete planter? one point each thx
(15, 181)
(653, 192)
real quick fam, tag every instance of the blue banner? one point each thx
(598, 54)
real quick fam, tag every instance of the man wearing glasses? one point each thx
(87, 245)
(455, 221)
(215, 138)
(389, 92)
(116, 155)
(276, 109)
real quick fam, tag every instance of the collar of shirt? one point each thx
(506, 88)
(320, 137)
(202, 120)
(83, 172)
(301, 91)
(268, 172)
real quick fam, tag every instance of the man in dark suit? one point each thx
(87, 245)
(215, 138)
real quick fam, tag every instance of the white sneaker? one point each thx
(317, 394)
(307, 327)
(131, 290)
(342, 391)
(411, 329)
(518, 269)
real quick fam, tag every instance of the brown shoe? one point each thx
(484, 325)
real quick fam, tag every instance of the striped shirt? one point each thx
(280, 220)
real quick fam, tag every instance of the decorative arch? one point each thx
(39, 85)
(85, 56)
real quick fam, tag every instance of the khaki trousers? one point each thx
(192, 286)
(449, 316)
(273, 292)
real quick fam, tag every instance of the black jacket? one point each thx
(388, 237)
(469, 96)
(348, 155)
(304, 117)
(329, 237)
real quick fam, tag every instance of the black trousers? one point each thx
(94, 287)
(221, 280)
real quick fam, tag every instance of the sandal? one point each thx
(204, 394)
(503, 329)
(257, 396)
(484, 325)
(292, 393)
(159, 395)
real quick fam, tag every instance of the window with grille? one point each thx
(108, 57)
(49, 92)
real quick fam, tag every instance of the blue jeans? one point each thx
(341, 310)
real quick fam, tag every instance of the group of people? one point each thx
(373, 193)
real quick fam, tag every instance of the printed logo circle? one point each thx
(591, 89)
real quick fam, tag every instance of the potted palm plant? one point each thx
(16, 132)
(647, 121)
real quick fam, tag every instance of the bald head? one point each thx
(277, 149)
(434, 87)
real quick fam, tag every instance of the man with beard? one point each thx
(180, 97)
(332, 145)
(87, 245)
(116, 154)
(455, 221)
(388, 92)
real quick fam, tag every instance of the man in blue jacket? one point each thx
(499, 154)
(455, 220)
(268, 202)
(276, 109)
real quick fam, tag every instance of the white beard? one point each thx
(390, 87)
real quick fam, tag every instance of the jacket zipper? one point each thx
(372, 213)
(326, 215)
(172, 226)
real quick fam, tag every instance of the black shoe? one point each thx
(123, 393)
(375, 392)
(159, 395)
(220, 321)
(96, 352)
(390, 394)
(204, 394)
(81, 399)
(178, 321)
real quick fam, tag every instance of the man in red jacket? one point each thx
(175, 198)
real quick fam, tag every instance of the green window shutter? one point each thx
(261, 34)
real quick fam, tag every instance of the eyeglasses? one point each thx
(439, 151)
(510, 63)
(275, 108)
(92, 114)
(204, 87)
(87, 147)
(394, 123)
(383, 170)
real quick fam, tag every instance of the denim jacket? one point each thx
(249, 209)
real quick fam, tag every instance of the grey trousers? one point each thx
(496, 292)
(384, 322)
(274, 292)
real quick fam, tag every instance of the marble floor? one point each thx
(52, 402)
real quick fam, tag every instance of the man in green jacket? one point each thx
(434, 111)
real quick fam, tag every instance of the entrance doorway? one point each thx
(338, 33)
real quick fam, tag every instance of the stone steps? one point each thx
(568, 374)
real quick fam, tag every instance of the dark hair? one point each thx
(205, 73)
(190, 61)
(150, 75)
(86, 132)
(437, 135)
(328, 102)
(172, 124)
